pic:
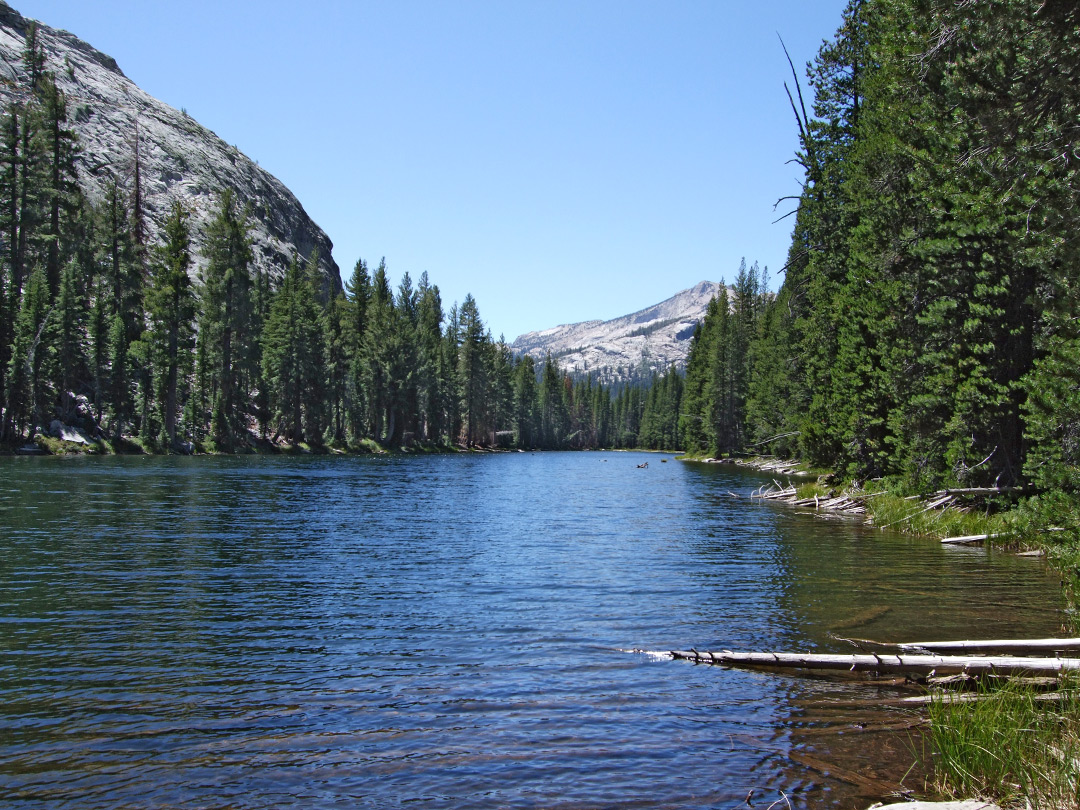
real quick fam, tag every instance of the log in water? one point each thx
(899, 664)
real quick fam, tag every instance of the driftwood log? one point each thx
(915, 664)
(967, 539)
(1001, 646)
(1036, 646)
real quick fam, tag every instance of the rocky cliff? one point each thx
(626, 348)
(179, 158)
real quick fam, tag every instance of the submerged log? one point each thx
(914, 664)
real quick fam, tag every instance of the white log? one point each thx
(918, 664)
(968, 538)
(1004, 645)
(975, 697)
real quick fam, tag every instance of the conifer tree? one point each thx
(119, 394)
(358, 290)
(500, 395)
(450, 383)
(171, 306)
(472, 373)
(293, 358)
(226, 323)
(335, 324)
(27, 386)
(61, 194)
(554, 417)
(72, 367)
(525, 402)
(429, 357)
(379, 358)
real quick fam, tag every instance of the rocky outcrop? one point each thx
(626, 348)
(179, 158)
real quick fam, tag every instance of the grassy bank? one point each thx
(1015, 744)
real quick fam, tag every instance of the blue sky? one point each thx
(561, 161)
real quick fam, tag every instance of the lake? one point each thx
(452, 631)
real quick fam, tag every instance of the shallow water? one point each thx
(450, 632)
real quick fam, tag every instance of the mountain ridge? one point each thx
(180, 159)
(630, 346)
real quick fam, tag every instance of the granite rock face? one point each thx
(179, 158)
(626, 348)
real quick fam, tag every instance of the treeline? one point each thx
(927, 326)
(105, 331)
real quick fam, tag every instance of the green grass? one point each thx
(1010, 746)
(892, 511)
(808, 489)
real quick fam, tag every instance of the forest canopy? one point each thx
(102, 330)
(926, 327)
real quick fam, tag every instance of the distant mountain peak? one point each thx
(629, 347)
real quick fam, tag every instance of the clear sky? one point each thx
(560, 160)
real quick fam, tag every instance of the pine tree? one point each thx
(61, 194)
(500, 394)
(472, 373)
(554, 417)
(335, 330)
(525, 403)
(358, 290)
(27, 392)
(379, 359)
(171, 306)
(72, 366)
(293, 358)
(226, 320)
(429, 356)
(450, 382)
(119, 394)
(33, 55)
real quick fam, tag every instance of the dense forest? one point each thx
(926, 327)
(106, 332)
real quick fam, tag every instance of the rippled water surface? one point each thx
(450, 632)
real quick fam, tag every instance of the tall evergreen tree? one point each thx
(525, 402)
(226, 319)
(358, 290)
(472, 373)
(293, 358)
(171, 305)
(429, 377)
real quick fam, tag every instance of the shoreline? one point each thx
(1000, 519)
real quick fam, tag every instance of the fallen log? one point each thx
(967, 539)
(915, 664)
(1013, 491)
(1001, 646)
(975, 697)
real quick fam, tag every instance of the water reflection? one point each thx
(324, 632)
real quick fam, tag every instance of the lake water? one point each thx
(451, 632)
